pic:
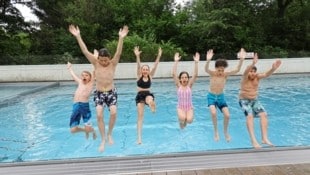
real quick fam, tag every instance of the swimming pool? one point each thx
(35, 126)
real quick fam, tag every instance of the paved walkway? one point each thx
(290, 169)
(269, 161)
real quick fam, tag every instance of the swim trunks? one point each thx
(80, 109)
(106, 98)
(217, 100)
(141, 96)
(253, 107)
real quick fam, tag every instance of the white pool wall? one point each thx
(59, 72)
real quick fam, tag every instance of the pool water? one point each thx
(36, 126)
(8, 90)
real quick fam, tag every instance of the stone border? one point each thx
(59, 72)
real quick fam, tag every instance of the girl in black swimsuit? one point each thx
(144, 95)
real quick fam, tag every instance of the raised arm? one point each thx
(242, 54)
(93, 77)
(137, 53)
(156, 62)
(96, 53)
(177, 57)
(75, 78)
(249, 67)
(75, 31)
(196, 58)
(122, 34)
(208, 58)
(274, 67)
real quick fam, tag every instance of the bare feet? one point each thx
(267, 142)
(139, 142)
(216, 137)
(182, 124)
(227, 137)
(110, 139)
(256, 145)
(101, 147)
(94, 135)
(153, 106)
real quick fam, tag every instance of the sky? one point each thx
(26, 12)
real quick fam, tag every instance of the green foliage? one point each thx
(277, 28)
(272, 52)
(147, 45)
(13, 46)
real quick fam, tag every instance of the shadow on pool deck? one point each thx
(278, 160)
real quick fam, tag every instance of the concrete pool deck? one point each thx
(277, 161)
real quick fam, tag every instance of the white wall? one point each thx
(59, 72)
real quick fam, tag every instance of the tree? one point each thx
(14, 32)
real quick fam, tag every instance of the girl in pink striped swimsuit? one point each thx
(185, 98)
(184, 91)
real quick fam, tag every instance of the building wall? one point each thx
(23, 73)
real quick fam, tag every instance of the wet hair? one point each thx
(221, 63)
(254, 68)
(85, 71)
(104, 53)
(183, 72)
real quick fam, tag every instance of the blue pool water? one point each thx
(35, 126)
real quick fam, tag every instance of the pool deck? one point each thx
(266, 161)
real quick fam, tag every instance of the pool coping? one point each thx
(165, 162)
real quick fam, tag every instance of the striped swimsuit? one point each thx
(185, 98)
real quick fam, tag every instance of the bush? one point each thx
(148, 46)
(272, 52)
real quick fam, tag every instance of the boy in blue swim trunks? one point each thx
(81, 103)
(216, 98)
(249, 102)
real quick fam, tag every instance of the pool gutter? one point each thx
(163, 163)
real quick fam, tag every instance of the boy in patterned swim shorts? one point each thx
(249, 102)
(105, 66)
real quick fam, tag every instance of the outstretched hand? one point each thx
(177, 56)
(255, 58)
(96, 53)
(123, 31)
(209, 54)
(242, 54)
(160, 51)
(196, 57)
(137, 51)
(276, 64)
(69, 65)
(74, 30)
